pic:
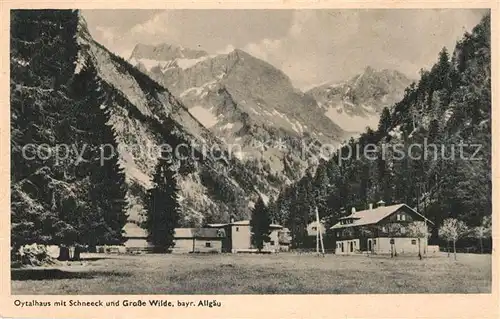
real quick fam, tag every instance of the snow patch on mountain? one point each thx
(147, 63)
(245, 101)
(204, 116)
(357, 103)
(164, 65)
(297, 127)
(227, 126)
(352, 122)
(187, 63)
(265, 198)
(198, 90)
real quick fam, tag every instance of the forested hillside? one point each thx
(449, 106)
(48, 195)
(85, 129)
(246, 102)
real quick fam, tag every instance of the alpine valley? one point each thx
(234, 102)
(63, 84)
(253, 106)
(68, 89)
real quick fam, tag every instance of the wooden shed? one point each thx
(197, 240)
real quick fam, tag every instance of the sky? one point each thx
(311, 46)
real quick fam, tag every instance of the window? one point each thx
(237, 229)
(403, 230)
(384, 229)
(314, 228)
(374, 241)
(208, 244)
(338, 234)
(403, 217)
(398, 217)
(413, 241)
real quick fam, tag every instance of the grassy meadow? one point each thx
(284, 273)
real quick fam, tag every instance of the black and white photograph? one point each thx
(250, 152)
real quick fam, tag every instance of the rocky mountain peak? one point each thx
(247, 101)
(356, 103)
(142, 115)
(165, 52)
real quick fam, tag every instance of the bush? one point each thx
(32, 255)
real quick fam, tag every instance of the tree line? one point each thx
(72, 191)
(449, 105)
(82, 203)
(72, 198)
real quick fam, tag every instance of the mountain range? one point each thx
(249, 103)
(211, 187)
(240, 105)
(357, 103)
(416, 157)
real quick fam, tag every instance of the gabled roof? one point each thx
(215, 225)
(245, 222)
(196, 233)
(373, 216)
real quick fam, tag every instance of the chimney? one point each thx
(353, 210)
(381, 203)
(370, 206)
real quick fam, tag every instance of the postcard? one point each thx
(239, 160)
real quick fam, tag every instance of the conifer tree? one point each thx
(260, 224)
(163, 209)
(300, 209)
(385, 121)
(321, 186)
(103, 220)
(50, 202)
